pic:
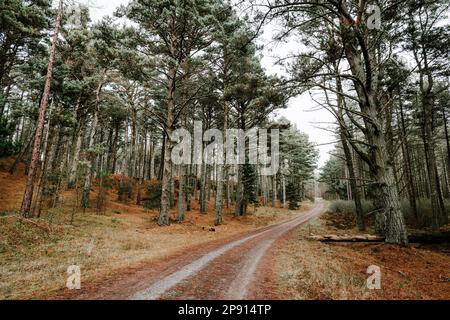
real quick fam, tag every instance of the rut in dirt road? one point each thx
(233, 266)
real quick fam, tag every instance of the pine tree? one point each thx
(28, 195)
(172, 30)
(293, 195)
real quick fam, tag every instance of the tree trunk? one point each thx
(132, 164)
(447, 143)
(353, 186)
(161, 163)
(163, 219)
(76, 156)
(353, 191)
(19, 158)
(203, 186)
(228, 187)
(182, 194)
(152, 161)
(28, 195)
(408, 163)
(437, 203)
(389, 220)
(189, 188)
(274, 190)
(221, 171)
(219, 195)
(110, 148)
(239, 209)
(85, 199)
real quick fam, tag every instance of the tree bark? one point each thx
(239, 209)
(362, 60)
(76, 156)
(437, 203)
(274, 190)
(28, 195)
(85, 199)
(447, 144)
(408, 163)
(163, 219)
(221, 168)
(353, 186)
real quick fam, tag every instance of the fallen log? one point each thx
(422, 238)
(347, 238)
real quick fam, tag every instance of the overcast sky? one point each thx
(301, 110)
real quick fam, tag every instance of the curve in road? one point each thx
(233, 283)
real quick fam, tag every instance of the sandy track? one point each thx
(220, 269)
(226, 272)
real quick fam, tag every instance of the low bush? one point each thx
(153, 198)
(347, 208)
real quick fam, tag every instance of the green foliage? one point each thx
(249, 180)
(7, 146)
(332, 174)
(424, 210)
(346, 207)
(24, 17)
(104, 185)
(125, 189)
(153, 200)
(293, 195)
(298, 155)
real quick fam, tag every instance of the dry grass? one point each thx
(311, 270)
(34, 256)
(33, 259)
(314, 270)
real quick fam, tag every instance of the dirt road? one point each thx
(238, 267)
(229, 271)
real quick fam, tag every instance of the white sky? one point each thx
(299, 110)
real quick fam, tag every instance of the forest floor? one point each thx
(304, 269)
(35, 253)
(266, 254)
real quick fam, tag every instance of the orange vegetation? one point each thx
(314, 270)
(35, 253)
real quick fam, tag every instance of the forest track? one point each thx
(228, 271)
(236, 267)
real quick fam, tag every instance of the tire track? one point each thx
(238, 288)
